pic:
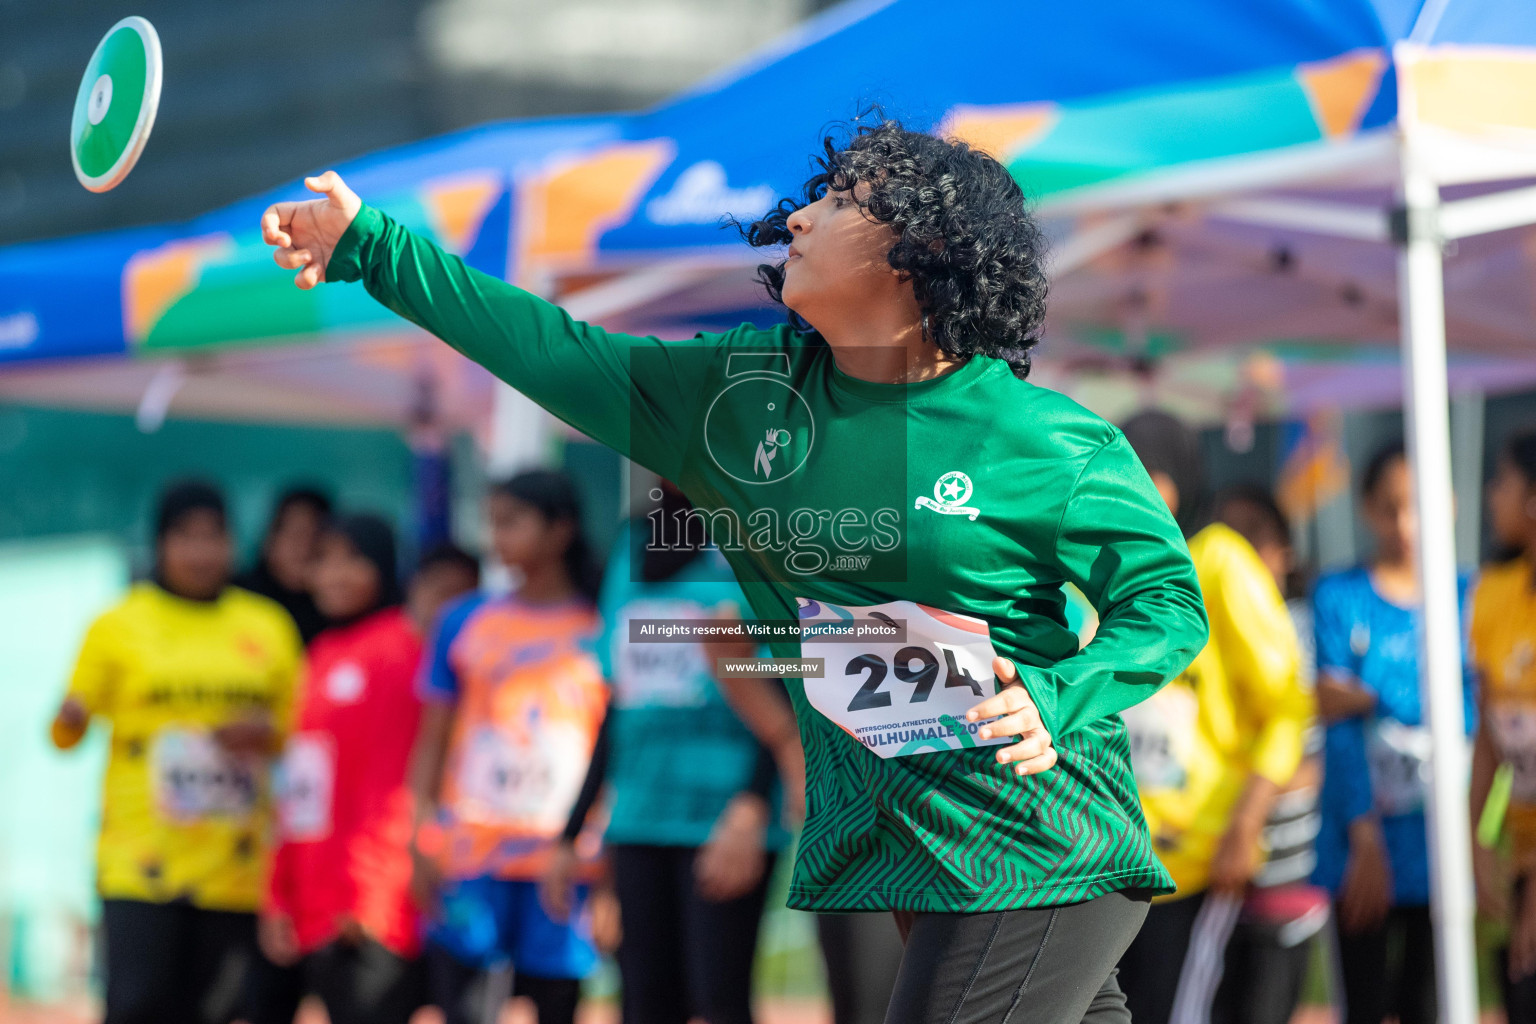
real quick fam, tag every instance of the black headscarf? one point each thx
(182, 499)
(178, 501)
(554, 495)
(373, 538)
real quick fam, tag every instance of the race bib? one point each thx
(1162, 733)
(193, 778)
(1398, 757)
(524, 784)
(907, 697)
(1514, 729)
(306, 783)
(662, 674)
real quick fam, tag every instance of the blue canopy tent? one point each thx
(1282, 174)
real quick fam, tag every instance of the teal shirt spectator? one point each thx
(678, 753)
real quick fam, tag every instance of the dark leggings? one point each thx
(1151, 967)
(359, 983)
(862, 954)
(472, 995)
(1519, 996)
(1052, 965)
(173, 963)
(683, 956)
(1390, 971)
(1263, 979)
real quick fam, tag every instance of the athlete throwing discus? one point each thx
(879, 470)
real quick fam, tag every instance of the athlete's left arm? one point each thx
(1117, 542)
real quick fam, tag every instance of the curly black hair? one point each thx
(964, 236)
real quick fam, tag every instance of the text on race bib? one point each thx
(305, 786)
(1398, 758)
(1514, 730)
(906, 697)
(658, 675)
(522, 781)
(193, 778)
(1162, 734)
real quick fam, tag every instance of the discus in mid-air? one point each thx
(115, 107)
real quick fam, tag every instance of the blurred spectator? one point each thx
(1211, 750)
(287, 557)
(694, 828)
(445, 572)
(339, 920)
(513, 704)
(1503, 642)
(1270, 949)
(1373, 850)
(196, 679)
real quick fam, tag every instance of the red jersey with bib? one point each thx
(529, 701)
(344, 810)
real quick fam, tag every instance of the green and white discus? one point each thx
(115, 108)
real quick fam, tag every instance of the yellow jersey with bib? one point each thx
(181, 817)
(1503, 646)
(1241, 708)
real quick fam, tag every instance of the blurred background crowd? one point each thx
(173, 426)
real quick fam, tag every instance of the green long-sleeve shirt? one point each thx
(958, 505)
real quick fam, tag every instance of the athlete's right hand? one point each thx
(1490, 883)
(1365, 896)
(426, 882)
(70, 723)
(306, 233)
(278, 940)
(558, 884)
(1035, 752)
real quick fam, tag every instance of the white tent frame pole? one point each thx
(1421, 288)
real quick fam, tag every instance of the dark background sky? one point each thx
(258, 92)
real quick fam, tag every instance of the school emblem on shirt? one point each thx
(950, 495)
(345, 683)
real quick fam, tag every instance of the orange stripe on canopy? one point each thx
(1003, 131)
(155, 279)
(1340, 89)
(564, 209)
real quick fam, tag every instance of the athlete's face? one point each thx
(1511, 506)
(293, 544)
(1166, 489)
(1389, 512)
(344, 583)
(195, 555)
(434, 587)
(522, 538)
(837, 262)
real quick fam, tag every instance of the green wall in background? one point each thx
(49, 592)
(65, 472)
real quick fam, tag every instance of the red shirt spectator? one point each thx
(344, 824)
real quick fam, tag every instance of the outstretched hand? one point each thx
(1034, 753)
(306, 233)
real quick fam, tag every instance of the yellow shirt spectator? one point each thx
(181, 817)
(1503, 635)
(1240, 709)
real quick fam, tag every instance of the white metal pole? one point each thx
(1421, 289)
